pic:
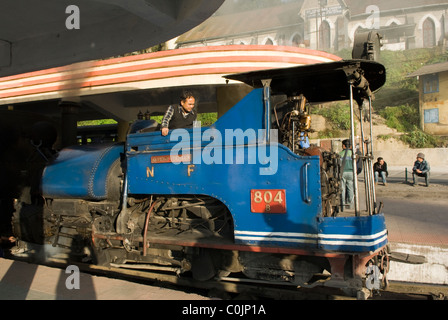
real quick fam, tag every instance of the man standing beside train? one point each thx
(347, 183)
(180, 116)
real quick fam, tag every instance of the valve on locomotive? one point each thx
(296, 123)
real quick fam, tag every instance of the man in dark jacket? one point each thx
(380, 169)
(421, 169)
(180, 116)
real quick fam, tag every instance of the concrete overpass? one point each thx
(42, 34)
(120, 88)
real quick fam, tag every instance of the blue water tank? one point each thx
(84, 172)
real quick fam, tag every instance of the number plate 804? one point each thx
(268, 201)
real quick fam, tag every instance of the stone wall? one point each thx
(437, 158)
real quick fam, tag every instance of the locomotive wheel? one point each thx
(209, 263)
(279, 268)
(203, 268)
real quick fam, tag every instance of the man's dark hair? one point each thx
(347, 143)
(186, 95)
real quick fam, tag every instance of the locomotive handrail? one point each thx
(307, 196)
(353, 144)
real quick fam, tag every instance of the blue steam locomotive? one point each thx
(243, 196)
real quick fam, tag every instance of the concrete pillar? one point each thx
(69, 122)
(122, 130)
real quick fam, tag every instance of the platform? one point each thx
(417, 221)
(25, 281)
(416, 214)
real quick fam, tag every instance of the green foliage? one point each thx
(399, 88)
(401, 63)
(206, 119)
(331, 134)
(419, 139)
(158, 119)
(398, 100)
(384, 137)
(338, 114)
(96, 122)
(406, 119)
(403, 118)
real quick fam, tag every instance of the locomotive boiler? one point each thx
(241, 197)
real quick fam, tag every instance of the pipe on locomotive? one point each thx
(267, 108)
(121, 228)
(357, 81)
(367, 157)
(371, 155)
(354, 156)
(145, 230)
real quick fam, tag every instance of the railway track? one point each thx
(229, 288)
(233, 287)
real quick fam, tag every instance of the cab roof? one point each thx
(322, 82)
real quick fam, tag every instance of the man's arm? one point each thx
(166, 120)
(415, 166)
(426, 168)
(375, 166)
